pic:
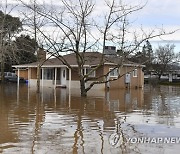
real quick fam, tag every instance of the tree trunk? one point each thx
(83, 88)
(159, 77)
(2, 70)
(38, 78)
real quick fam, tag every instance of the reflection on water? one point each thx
(59, 121)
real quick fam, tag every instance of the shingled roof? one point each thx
(91, 58)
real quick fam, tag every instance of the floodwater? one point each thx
(60, 122)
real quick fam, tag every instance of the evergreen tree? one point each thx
(26, 49)
(148, 51)
(9, 27)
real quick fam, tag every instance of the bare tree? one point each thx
(34, 22)
(165, 56)
(72, 32)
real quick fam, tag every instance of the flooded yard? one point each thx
(61, 122)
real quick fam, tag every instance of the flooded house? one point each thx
(54, 73)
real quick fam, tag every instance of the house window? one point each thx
(113, 48)
(135, 73)
(48, 74)
(114, 72)
(87, 70)
(64, 73)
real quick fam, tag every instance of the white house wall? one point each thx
(74, 84)
(45, 83)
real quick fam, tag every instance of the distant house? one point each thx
(54, 73)
(172, 74)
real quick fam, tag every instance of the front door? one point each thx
(63, 76)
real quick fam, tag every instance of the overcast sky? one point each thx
(165, 13)
(156, 13)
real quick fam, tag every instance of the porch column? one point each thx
(170, 77)
(69, 78)
(42, 76)
(29, 76)
(69, 88)
(18, 78)
(55, 78)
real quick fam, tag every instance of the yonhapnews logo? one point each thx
(117, 139)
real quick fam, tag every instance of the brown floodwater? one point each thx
(61, 122)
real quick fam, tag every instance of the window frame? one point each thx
(93, 74)
(48, 74)
(135, 73)
(114, 75)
